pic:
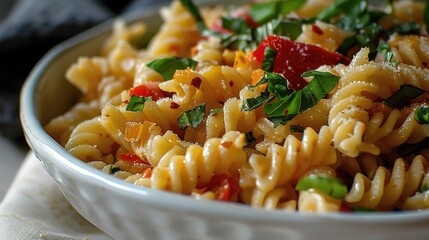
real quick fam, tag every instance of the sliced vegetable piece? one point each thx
(422, 114)
(405, 93)
(329, 185)
(192, 118)
(148, 89)
(293, 58)
(168, 66)
(136, 104)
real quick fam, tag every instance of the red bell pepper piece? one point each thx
(132, 158)
(148, 89)
(294, 58)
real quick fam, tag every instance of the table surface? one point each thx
(11, 158)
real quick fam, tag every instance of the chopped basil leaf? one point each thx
(250, 138)
(235, 24)
(348, 7)
(168, 66)
(269, 56)
(136, 104)
(193, 117)
(406, 92)
(405, 28)
(329, 185)
(214, 111)
(253, 103)
(408, 149)
(195, 12)
(384, 48)
(288, 107)
(424, 188)
(113, 169)
(264, 12)
(422, 114)
(297, 128)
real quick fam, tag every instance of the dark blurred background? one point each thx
(29, 28)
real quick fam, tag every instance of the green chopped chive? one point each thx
(136, 104)
(168, 66)
(192, 118)
(422, 114)
(405, 93)
(329, 185)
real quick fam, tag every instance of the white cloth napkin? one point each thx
(35, 208)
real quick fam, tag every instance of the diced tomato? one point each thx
(132, 158)
(224, 186)
(148, 89)
(294, 58)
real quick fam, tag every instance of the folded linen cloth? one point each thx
(35, 208)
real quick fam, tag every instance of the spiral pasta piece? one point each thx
(292, 160)
(412, 50)
(61, 127)
(325, 35)
(90, 141)
(387, 188)
(361, 85)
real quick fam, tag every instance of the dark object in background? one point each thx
(33, 27)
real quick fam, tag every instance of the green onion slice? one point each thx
(422, 114)
(329, 185)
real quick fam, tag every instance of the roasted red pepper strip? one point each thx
(148, 89)
(132, 158)
(294, 58)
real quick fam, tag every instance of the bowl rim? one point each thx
(38, 138)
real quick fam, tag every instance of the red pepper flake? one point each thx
(231, 83)
(196, 82)
(174, 105)
(226, 144)
(126, 102)
(316, 29)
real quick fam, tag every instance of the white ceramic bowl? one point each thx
(125, 211)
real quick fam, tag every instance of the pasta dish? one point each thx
(309, 106)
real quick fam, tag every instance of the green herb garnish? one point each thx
(214, 111)
(422, 114)
(114, 168)
(405, 93)
(405, 28)
(424, 188)
(168, 66)
(193, 117)
(286, 108)
(195, 12)
(264, 12)
(297, 128)
(329, 185)
(384, 48)
(408, 149)
(253, 103)
(250, 138)
(269, 57)
(136, 104)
